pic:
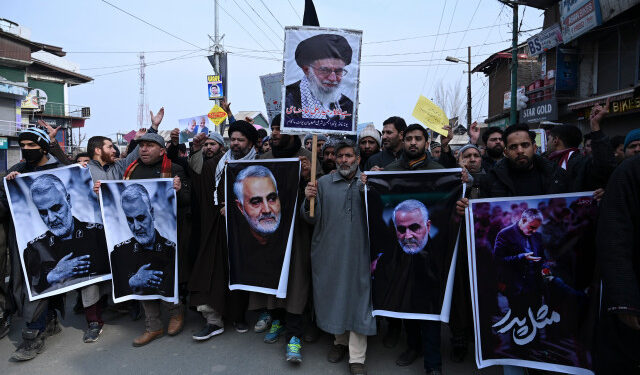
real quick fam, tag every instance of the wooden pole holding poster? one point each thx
(314, 158)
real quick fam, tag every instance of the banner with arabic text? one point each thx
(531, 267)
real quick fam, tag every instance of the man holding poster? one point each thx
(321, 77)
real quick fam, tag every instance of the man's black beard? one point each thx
(495, 152)
(288, 146)
(517, 167)
(328, 166)
(413, 156)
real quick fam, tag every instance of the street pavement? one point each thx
(229, 353)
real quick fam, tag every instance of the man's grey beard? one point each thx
(262, 228)
(347, 172)
(326, 95)
(413, 249)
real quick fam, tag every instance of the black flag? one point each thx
(310, 17)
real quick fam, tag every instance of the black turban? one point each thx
(245, 128)
(323, 46)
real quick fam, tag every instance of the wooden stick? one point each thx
(314, 158)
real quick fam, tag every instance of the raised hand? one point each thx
(474, 133)
(50, 130)
(146, 278)
(597, 113)
(444, 141)
(175, 136)
(139, 133)
(226, 106)
(157, 118)
(198, 141)
(68, 267)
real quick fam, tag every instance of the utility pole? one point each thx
(469, 89)
(217, 49)
(141, 99)
(514, 60)
(514, 67)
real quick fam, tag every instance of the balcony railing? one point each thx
(10, 128)
(62, 109)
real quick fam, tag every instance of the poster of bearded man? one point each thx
(58, 228)
(413, 241)
(140, 225)
(531, 270)
(321, 77)
(262, 197)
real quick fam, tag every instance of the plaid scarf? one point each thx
(165, 172)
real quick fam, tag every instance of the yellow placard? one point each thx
(432, 116)
(217, 115)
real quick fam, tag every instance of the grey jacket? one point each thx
(113, 171)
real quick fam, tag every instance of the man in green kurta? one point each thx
(340, 259)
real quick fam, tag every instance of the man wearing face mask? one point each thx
(39, 315)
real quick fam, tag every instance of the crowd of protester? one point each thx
(335, 297)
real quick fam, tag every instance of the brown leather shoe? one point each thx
(147, 337)
(176, 323)
(357, 369)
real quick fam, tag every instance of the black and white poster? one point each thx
(58, 229)
(141, 229)
(413, 241)
(321, 78)
(262, 197)
(531, 268)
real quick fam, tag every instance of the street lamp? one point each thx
(457, 60)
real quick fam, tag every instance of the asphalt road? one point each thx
(229, 353)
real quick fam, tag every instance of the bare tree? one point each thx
(451, 98)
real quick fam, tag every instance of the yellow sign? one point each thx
(211, 78)
(217, 115)
(432, 116)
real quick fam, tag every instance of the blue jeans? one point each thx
(424, 335)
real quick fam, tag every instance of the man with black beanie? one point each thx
(40, 315)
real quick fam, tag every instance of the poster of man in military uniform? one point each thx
(59, 230)
(140, 226)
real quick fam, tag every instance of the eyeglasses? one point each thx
(327, 71)
(413, 227)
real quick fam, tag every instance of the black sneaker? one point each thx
(32, 344)
(53, 326)
(407, 357)
(208, 332)
(241, 327)
(5, 325)
(434, 371)
(93, 332)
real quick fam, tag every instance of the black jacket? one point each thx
(618, 239)
(382, 159)
(592, 172)
(498, 183)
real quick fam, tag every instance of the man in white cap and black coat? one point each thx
(323, 59)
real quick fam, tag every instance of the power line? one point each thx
(137, 64)
(269, 10)
(242, 27)
(149, 64)
(154, 26)
(255, 24)
(125, 52)
(446, 37)
(432, 35)
(294, 10)
(265, 22)
(426, 76)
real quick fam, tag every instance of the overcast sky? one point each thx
(393, 73)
